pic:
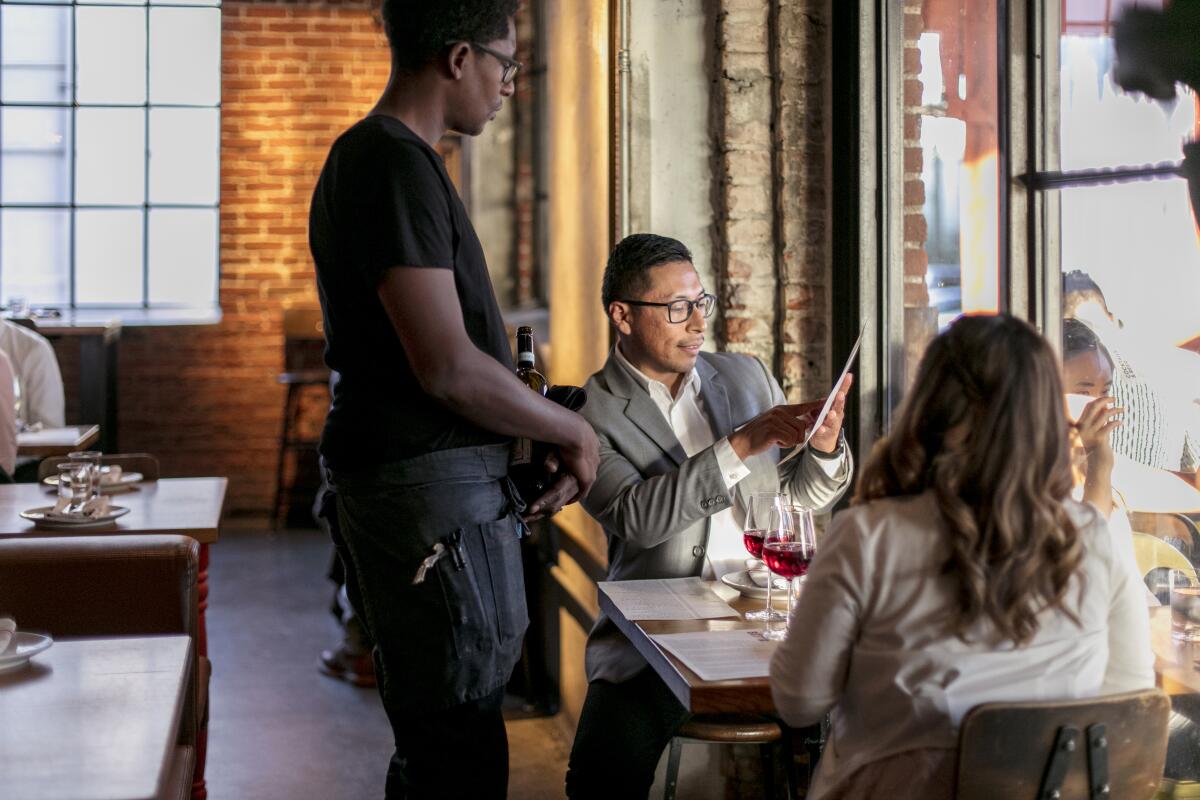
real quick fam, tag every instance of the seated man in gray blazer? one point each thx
(685, 438)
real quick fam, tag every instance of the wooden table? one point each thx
(93, 718)
(745, 695)
(1175, 664)
(56, 441)
(186, 506)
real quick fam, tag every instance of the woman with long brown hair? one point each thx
(963, 574)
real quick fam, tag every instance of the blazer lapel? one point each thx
(716, 399)
(641, 410)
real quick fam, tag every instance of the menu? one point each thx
(669, 598)
(721, 655)
(828, 400)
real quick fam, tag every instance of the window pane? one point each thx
(185, 2)
(112, 2)
(108, 257)
(184, 149)
(36, 153)
(951, 206)
(185, 48)
(1131, 286)
(111, 156)
(111, 47)
(35, 49)
(183, 256)
(35, 256)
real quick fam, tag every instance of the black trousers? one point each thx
(444, 648)
(623, 729)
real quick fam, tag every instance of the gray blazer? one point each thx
(655, 503)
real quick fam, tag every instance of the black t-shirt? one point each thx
(383, 201)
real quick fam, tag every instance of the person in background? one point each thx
(41, 400)
(8, 419)
(685, 437)
(416, 441)
(963, 574)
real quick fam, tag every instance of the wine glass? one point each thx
(758, 516)
(791, 557)
(779, 531)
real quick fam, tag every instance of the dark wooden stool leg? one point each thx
(673, 768)
(285, 439)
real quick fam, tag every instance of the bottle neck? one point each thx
(525, 359)
(524, 349)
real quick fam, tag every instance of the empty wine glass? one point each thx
(758, 516)
(791, 557)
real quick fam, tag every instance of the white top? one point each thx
(8, 416)
(869, 638)
(38, 377)
(725, 551)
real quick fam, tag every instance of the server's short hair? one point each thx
(418, 30)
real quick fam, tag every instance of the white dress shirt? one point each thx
(38, 377)
(692, 426)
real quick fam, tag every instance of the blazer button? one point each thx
(697, 551)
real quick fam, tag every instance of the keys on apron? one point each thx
(439, 550)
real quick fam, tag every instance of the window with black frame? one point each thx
(109, 153)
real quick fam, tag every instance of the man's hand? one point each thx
(825, 439)
(554, 498)
(786, 426)
(581, 459)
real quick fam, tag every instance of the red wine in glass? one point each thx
(753, 539)
(788, 559)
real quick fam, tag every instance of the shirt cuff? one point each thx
(732, 468)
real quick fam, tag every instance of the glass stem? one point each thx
(770, 580)
(793, 589)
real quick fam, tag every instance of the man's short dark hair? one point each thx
(418, 30)
(627, 274)
(1079, 288)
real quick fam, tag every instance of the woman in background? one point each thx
(964, 574)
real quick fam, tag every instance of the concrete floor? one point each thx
(278, 729)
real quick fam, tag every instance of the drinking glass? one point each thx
(91, 457)
(1185, 608)
(74, 485)
(758, 516)
(791, 556)
(780, 530)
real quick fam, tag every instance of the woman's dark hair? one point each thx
(1078, 338)
(627, 273)
(983, 429)
(418, 30)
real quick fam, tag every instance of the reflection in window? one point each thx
(109, 152)
(951, 163)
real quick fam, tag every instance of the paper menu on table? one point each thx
(721, 655)
(669, 598)
(828, 400)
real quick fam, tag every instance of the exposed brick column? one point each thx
(744, 255)
(772, 207)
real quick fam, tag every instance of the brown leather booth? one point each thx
(112, 586)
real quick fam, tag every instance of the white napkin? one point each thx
(94, 508)
(110, 476)
(8, 635)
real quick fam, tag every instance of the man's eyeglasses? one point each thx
(511, 66)
(681, 310)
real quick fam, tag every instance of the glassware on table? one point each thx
(74, 485)
(779, 530)
(1185, 608)
(790, 556)
(91, 457)
(758, 516)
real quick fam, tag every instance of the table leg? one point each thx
(199, 788)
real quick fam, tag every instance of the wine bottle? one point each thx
(526, 370)
(522, 447)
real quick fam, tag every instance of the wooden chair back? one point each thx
(1104, 747)
(303, 339)
(128, 462)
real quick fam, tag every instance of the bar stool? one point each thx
(304, 366)
(735, 729)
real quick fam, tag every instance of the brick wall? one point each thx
(205, 399)
(771, 238)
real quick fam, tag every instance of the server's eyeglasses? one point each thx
(511, 66)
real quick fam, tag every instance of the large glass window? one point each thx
(1130, 251)
(109, 152)
(952, 212)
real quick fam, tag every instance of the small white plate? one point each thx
(741, 581)
(39, 517)
(121, 484)
(28, 645)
